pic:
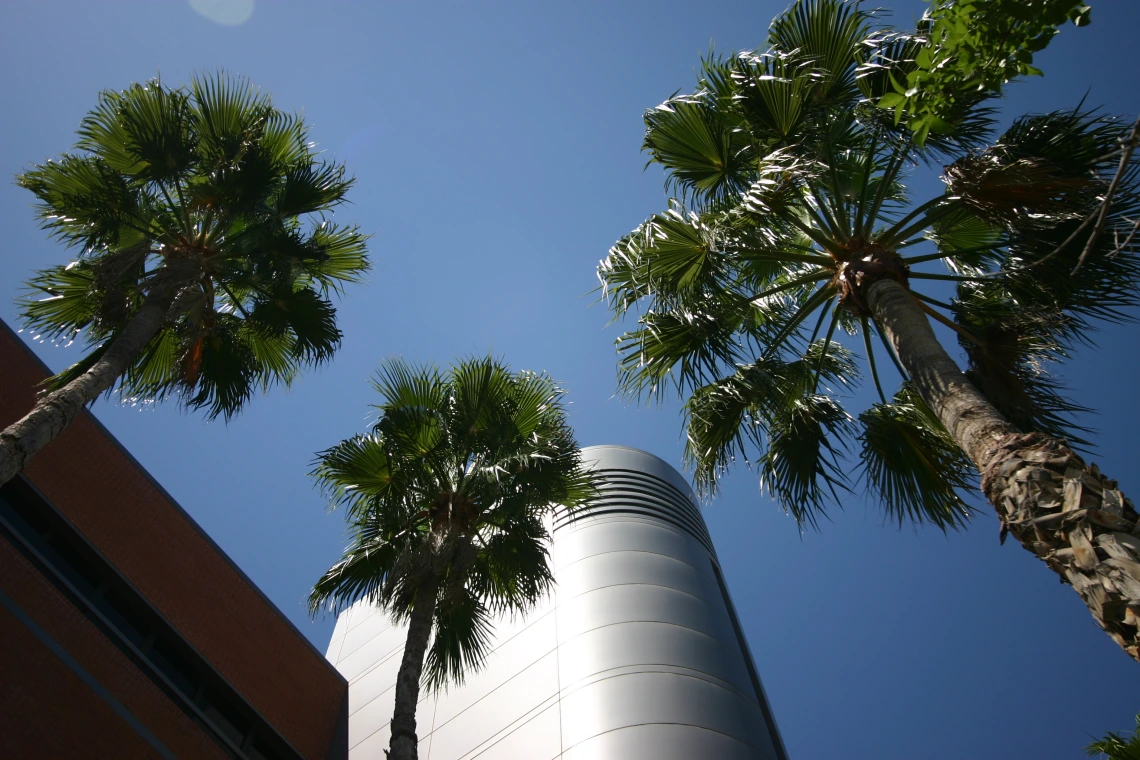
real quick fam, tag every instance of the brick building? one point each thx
(125, 631)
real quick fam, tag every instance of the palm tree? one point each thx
(792, 226)
(1116, 747)
(445, 501)
(206, 255)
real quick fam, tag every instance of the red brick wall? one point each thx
(48, 711)
(165, 556)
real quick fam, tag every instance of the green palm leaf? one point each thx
(232, 116)
(462, 638)
(801, 464)
(912, 464)
(768, 399)
(212, 193)
(62, 301)
(355, 473)
(697, 146)
(828, 33)
(86, 203)
(1116, 747)
(775, 93)
(160, 136)
(760, 265)
(449, 491)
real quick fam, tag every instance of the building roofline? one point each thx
(178, 507)
(680, 482)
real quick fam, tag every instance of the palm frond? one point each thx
(159, 133)
(232, 115)
(762, 402)
(342, 259)
(512, 572)
(968, 243)
(361, 574)
(701, 150)
(157, 374)
(683, 348)
(355, 472)
(1116, 747)
(481, 389)
(414, 413)
(775, 89)
(401, 385)
(801, 465)
(670, 256)
(84, 202)
(452, 488)
(309, 318)
(61, 302)
(828, 33)
(207, 192)
(526, 401)
(913, 466)
(1045, 169)
(461, 640)
(102, 133)
(1011, 360)
(284, 138)
(276, 356)
(219, 370)
(311, 186)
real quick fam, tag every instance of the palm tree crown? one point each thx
(213, 203)
(446, 497)
(791, 203)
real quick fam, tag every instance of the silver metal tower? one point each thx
(636, 654)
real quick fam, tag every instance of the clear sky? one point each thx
(497, 150)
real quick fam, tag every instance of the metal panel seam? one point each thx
(716, 681)
(672, 723)
(678, 560)
(529, 665)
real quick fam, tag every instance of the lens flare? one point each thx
(224, 12)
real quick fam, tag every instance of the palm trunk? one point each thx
(56, 410)
(403, 745)
(1066, 513)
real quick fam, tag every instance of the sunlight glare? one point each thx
(224, 12)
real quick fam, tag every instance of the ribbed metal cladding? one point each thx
(636, 492)
(637, 653)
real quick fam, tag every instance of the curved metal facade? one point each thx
(637, 653)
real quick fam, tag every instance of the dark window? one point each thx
(223, 714)
(259, 750)
(105, 597)
(124, 616)
(176, 666)
(33, 520)
(75, 567)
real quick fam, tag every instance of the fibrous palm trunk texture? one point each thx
(403, 744)
(1065, 512)
(54, 411)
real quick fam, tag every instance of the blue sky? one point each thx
(497, 150)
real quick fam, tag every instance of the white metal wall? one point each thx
(636, 653)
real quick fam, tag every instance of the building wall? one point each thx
(637, 653)
(134, 525)
(49, 708)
